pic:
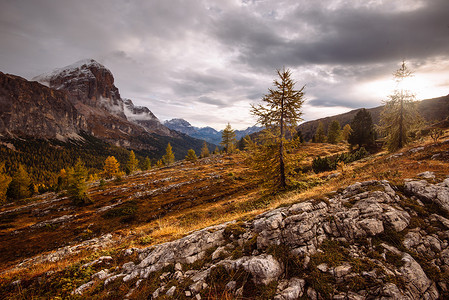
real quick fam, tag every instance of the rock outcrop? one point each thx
(369, 241)
(89, 82)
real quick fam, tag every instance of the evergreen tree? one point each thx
(19, 187)
(146, 164)
(77, 184)
(320, 135)
(4, 183)
(400, 112)
(216, 151)
(132, 163)
(346, 132)
(205, 150)
(334, 132)
(362, 133)
(111, 167)
(228, 139)
(280, 117)
(169, 156)
(191, 156)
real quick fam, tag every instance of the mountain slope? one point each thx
(354, 236)
(436, 109)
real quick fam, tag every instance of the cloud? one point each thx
(208, 61)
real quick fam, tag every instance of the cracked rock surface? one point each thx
(369, 241)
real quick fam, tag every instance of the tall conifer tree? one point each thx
(400, 113)
(280, 116)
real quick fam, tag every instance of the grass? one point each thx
(217, 192)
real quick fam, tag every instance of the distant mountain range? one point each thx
(79, 99)
(208, 134)
(436, 109)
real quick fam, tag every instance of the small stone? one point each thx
(427, 175)
(188, 293)
(322, 267)
(306, 262)
(178, 267)
(171, 291)
(198, 297)
(342, 270)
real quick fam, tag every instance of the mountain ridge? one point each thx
(207, 133)
(434, 109)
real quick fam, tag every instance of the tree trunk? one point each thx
(401, 121)
(281, 144)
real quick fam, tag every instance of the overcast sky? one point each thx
(207, 61)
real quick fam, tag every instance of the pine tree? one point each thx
(334, 132)
(132, 163)
(111, 167)
(320, 135)
(280, 117)
(19, 186)
(362, 133)
(146, 164)
(191, 156)
(204, 151)
(346, 132)
(228, 139)
(216, 151)
(400, 112)
(169, 156)
(77, 184)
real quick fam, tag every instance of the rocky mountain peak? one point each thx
(87, 81)
(180, 125)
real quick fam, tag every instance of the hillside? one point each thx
(364, 231)
(436, 109)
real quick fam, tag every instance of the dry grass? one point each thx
(188, 197)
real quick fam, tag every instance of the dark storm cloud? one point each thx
(339, 36)
(180, 57)
(212, 101)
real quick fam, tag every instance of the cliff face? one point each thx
(89, 82)
(31, 109)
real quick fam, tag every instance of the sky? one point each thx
(208, 61)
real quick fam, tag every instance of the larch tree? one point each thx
(19, 186)
(132, 163)
(334, 132)
(280, 115)
(77, 190)
(146, 164)
(191, 156)
(169, 156)
(346, 132)
(111, 167)
(400, 113)
(204, 151)
(320, 135)
(4, 183)
(228, 139)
